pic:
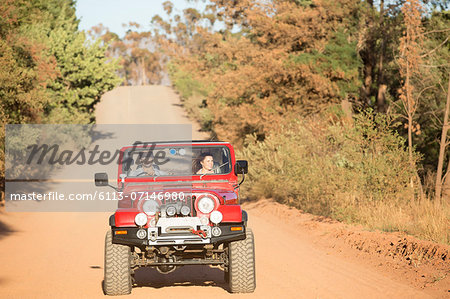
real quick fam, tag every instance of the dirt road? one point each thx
(60, 255)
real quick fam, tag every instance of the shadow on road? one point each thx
(5, 229)
(185, 276)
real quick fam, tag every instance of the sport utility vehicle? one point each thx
(174, 211)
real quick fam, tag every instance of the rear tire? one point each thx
(117, 280)
(241, 265)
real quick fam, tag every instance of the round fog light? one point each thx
(171, 211)
(216, 217)
(141, 219)
(185, 210)
(141, 234)
(216, 231)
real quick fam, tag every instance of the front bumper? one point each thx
(157, 236)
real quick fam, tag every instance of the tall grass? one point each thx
(425, 219)
(357, 173)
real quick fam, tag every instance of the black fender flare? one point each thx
(112, 220)
(244, 217)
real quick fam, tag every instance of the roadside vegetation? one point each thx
(339, 106)
(358, 173)
(50, 72)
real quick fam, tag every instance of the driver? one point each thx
(148, 169)
(144, 169)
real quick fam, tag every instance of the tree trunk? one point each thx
(443, 144)
(381, 98)
(143, 75)
(382, 87)
(445, 196)
(410, 114)
(368, 69)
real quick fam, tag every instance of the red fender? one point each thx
(231, 213)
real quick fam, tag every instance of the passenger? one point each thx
(204, 164)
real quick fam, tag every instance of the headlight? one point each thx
(141, 219)
(205, 204)
(150, 207)
(216, 217)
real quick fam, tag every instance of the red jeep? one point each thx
(178, 205)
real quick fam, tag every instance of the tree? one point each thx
(49, 73)
(85, 72)
(379, 32)
(24, 67)
(142, 63)
(271, 61)
(409, 61)
(443, 145)
(137, 52)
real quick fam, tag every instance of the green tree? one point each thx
(85, 72)
(49, 72)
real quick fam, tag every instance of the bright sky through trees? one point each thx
(114, 13)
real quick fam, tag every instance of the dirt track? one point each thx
(60, 255)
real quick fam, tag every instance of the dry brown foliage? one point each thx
(409, 60)
(272, 69)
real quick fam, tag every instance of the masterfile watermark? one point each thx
(51, 168)
(38, 153)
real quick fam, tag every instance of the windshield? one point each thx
(176, 161)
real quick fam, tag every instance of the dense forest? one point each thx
(50, 72)
(341, 107)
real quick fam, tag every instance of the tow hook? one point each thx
(200, 233)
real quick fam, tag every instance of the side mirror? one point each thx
(101, 179)
(240, 167)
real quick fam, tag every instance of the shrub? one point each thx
(193, 96)
(356, 172)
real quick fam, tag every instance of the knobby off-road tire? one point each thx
(117, 280)
(241, 265)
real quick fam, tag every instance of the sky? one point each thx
(113, 13)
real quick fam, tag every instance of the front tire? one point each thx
(241, 265)
(117, 280)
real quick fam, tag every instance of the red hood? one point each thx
(224, 190)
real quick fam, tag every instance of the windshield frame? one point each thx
(222, 147)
